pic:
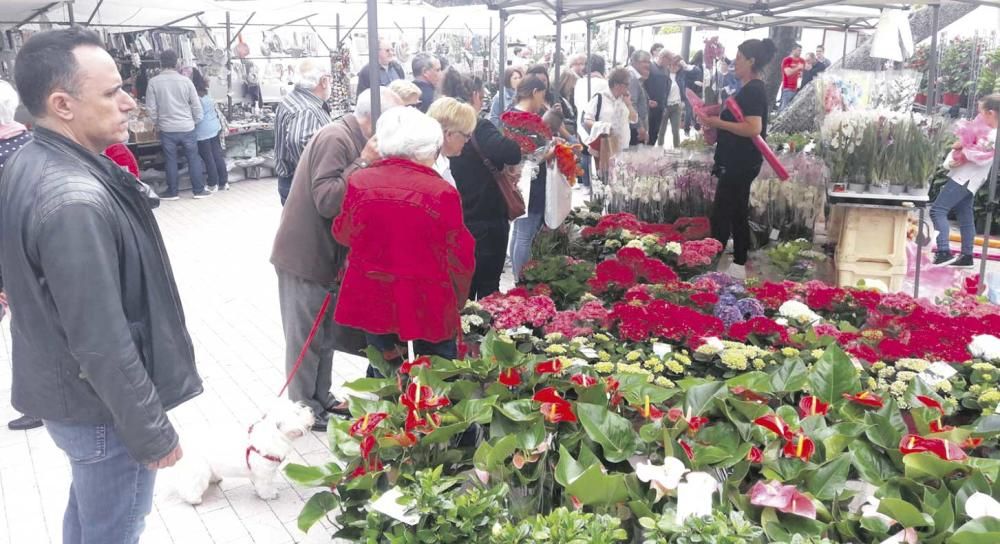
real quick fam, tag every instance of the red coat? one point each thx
(411, 258)
(123, 157)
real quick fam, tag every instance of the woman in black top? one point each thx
(483, 206)
(737, 159)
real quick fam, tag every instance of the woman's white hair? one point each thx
(8, 103)
(388, 100)
(405, 132)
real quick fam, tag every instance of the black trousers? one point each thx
(215, 161)
(655, 118)
(491, 253)
(731, 209)
(284, 186)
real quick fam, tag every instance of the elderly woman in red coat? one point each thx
(411, 258)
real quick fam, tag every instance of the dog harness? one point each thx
(253, 449)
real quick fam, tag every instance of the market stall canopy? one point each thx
(735, 14)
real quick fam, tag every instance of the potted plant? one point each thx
(919, 63)
(926, 142)
(956, 70)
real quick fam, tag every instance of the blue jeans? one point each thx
(214, 158)
(284, 187)
(186, 141)
(954, 197)
(787, 95)
(525, 229)
(111, 494)
(447, 349)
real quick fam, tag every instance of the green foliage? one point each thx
(563, 526)
(719, 528)
(567, 277)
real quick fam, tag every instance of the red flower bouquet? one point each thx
(527, 129)
(568, 163)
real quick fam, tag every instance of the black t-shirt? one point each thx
(736, 151)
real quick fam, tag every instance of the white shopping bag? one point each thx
(529, 168)
(558, 197)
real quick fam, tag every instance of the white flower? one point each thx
(986, 347)
(781, 321)
(663, 477)
(673, 247)
(694, 496)
(798, 311)
(981, 505)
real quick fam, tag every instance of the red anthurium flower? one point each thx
(510, 377)
(799, 446)
(576, 502)
(367, 424)
(866, 399)
(971, 443)
(747, 394)
(675, 414)
(611, 386)
(403, 440)
(649, 411)
(755, 456)
(931, 403)
(367, 468)
(937, 427)
(696, 423)
(553, 366)
(811, 406)
(583, 380)
(784, 498)
(422, 424)
(554, 407)
(949, 451)
(775, 424)
(367, 445)
(687, 449)
(422, 361)
(421, 397)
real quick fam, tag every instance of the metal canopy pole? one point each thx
(93, 13)
(990, 206)
(347, 34)
(587, 65)
(231, 39)
(374, 84)
(36, 13)
(502, 58)
(557, 55)
(932, 67)
(489, 52)
(69, 12)
(338, 31)
(229, 69)
(614, 50)
(423, 33)
(843, 57)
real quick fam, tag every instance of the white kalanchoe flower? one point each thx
(799, 312)
(985, 347)
(661, 478)
(673, 247)
(981, 505)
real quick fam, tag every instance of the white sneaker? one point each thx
(211, 188)
(226, 187)
(737, 271)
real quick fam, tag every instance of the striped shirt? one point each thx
(298, 117)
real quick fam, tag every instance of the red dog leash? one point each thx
(309, 340)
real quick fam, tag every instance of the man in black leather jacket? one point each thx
(100, 347)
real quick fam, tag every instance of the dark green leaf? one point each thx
(378, 386)
(927, 465)
(700, 396)
(833, 375)
(315, 508)
(791, 376)
(903, 512)
(872, 465)
(882, 432)
(989, 425)
(520, 410)
(594, 488)
(303, 475)
(828, 480)
(978, 531)
(613, 432)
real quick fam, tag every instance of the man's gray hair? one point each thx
(389, 100)
(8, 103)
(639, 56)
(423, 62)
(309, 74)
(407, 133)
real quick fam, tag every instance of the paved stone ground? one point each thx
(219, 249)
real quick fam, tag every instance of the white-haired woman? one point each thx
(411, 258)
(13, 135)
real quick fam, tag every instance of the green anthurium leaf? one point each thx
(640, 509)
(789, 415)
(785, 469)
(737, 456)
(988, 425)
(592, 395)
(828, 480)
(489, 457)
(467, 389)
(651, 432)
(376, 360)
(315, 508)
(503, 352)
(722, 435)
(743, 427)
(833, 375)
(304, 475)
(876, 526)
(772, 526)
(977, 531)
(747, 409)
(882, 432)
(530, 435)
(873, 465)
(699, 397)
(919, 466)
(758, 382)
(594, 488)
(475, 410)
(568, 469)
(613, 432)
(379, 386)
(520, 410)
(790, 377)
(815, 426)
(444, 433)
(341, 441)
(798, 525)
(834, 445)
(905, 513)
(939, 505)
(636, 393)
(710, 455)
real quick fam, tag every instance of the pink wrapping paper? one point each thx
(977, 144)
(765, 150)
(710, 134)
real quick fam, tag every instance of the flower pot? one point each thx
(950, 99)
(897, 188)
(858, 187)
(921, 99)
(918, 191)
(878, 189)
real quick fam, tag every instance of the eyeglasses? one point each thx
(464, 136)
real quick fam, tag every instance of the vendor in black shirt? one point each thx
(737, 160)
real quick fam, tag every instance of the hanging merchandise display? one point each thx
(340, 92)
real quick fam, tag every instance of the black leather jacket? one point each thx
(98, 328)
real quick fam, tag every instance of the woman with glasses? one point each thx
(483, 205)
(458, 120)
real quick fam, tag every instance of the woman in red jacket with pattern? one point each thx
(411, 258)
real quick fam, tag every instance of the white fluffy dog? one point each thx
(257, 456)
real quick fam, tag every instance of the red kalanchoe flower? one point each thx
(511, 377)
(866, 399)
(366, 425)
(947, 450)
(583, 380)
(422, 361)
(799, 446)
(775, 424)
(421, 397)
(552, 366)
(755, 455)
(554, 408)
(705, 299)
(811, 406)
(687, 449)
(748, 395)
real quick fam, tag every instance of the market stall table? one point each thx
(870, 233)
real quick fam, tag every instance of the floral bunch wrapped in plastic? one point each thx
(975, 144)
